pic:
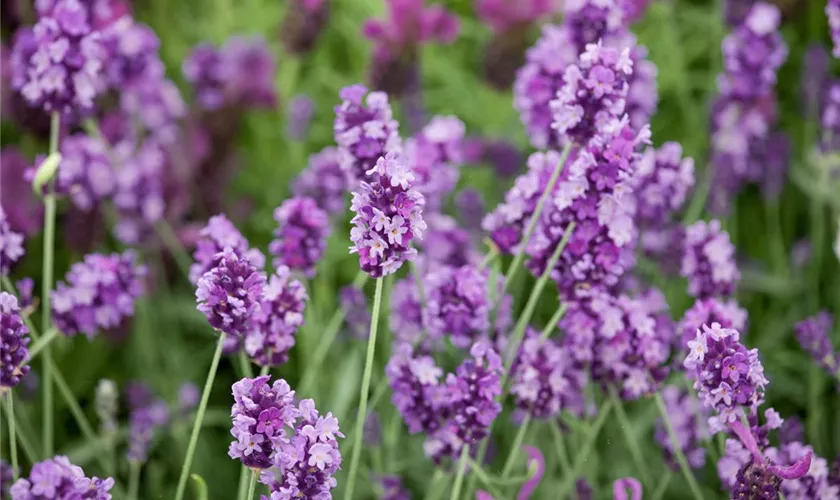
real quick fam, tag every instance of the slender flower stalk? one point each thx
(133, 479)
(46, 287)
(689, 476)
(199, 417)
(570, 478)
(459, 477)
(632, 442)
(517, 445)
(42, 343)
(363, 397)
(12, 434)
(252, 487)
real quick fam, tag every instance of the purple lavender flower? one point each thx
(7, 475)
(58, 66)
(392, 488)
(399, 37)
(791, 430)
(364, 130)
(729, 378)
(103, 14)
(447, 244)
(218, 234)
(832, 12)
(157, 105)
(406, 321)
(277, 320)
(708, 261)
(229, 293)
(26, 296)
(356, 314)
(620, 487)
(14, 339)
(472, 391)
(23, 211)
(11, 245)
(752, 53)
(688, 419)
(389, 215)
(299, 117)
(813, 335)
(502, 15)
(86, 173)
(143, 423)
(814, 484)
(138, 197)
(304, 21)
(132, 55)
(663, 181)
(471, 208)
(706, 312)
(57, 478)
(188, 398)
(643, 94)
(434, 156)
(457, 304)
(98, 294)
(814, 79)
(301, 235)
(416, 388)
(593, 95)
(324, 181)
(544, 379)
(261, 414)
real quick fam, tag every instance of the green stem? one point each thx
(483, 477)
(173, 244)
(42, 343)
(199, 417)
(677, 449)
(133, 479)
(552, 323)
(560, 446)
(46, 290)
(491, 256)
(517, 444)
(532, 222)
(22, 438)
(10, 412)
(252, 486)
(363, 397)
(264, 370)
(571, 477)
(630, 437)
(243, 483)
(663, 486)
(245, 365)
(459, 477)
(326, 340)
(433, 492)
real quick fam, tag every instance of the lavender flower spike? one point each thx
(620, 489)
(277, 320)
(59, 479)
(389, 215)
(301, 235)
(324, 181)
(708, 261)
(813, 335)
(832, 12)
(13, 343)
(11, 245)
(229, 293)
(218, 234)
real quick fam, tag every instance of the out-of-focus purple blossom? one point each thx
(14, 339)
(814, 80)
(57, 478)
(729, 378)
(98, 294)
(775, 156)
(447, 244)
(138, 394)
(505, 15)
(356, 314)
(303, 23)
(133, 58)
(103, 14)
(299, 117)
(26, 297)
(832, 12)
(365, 130)
(410, 24)
(144, 421)
(324, 181)
(106, 403)
(392, 488)
(634, 9)
(830, 118)
(301, 235)
(620, 487)
(389, 215)
(86, 173)
(139, 190)
(800, 254)
(277, 320)
(753, 53)
(457, 304)
(688, 419)
(663, 180)
(11, 245)
(188, 397)
(471, 392)
(7, 475)
(372, 430)
(708, 261)
(434, 156)
(471, 208)
(591, 20)
(157, 105)
(406, 321)
(583, 490)
(814, 484)
(813, 335)
(229, 293)
(727, 313)
(24, 212)
(544, 378)
(791, 430)
(503, 156)
(591, 194)
(416, 388)
(218, 234)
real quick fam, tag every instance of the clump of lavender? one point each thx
(229, 293)
(299, 117)
(392, 488)
(688, 419)
(277, 319)
(457, 304)
(301, 235)
(324, 181)
(447, 244)
(86, 173)
(708, 261)
(57, 478)
(433, 156)
(58, 65)
(708, 311)
(398, 38)
(544, 378)
(389, 215)
(218, 234)
(356, 314)
(304, 21)
(11, 245)
(813, 335)
(471, 208)
(814, 483)
(729, 378)
(18, 208)
(663, 181)
(365, 130)
(406, 319)
(14, 339)
(144, 421)
(98, 294)
(138, 197)
(832, 12)
(416, 389)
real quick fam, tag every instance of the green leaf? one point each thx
(46, 171)
(200, 486)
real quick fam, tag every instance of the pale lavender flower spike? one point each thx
(832, 11)
(57, 478)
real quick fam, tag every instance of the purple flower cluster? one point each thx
(813, 335)
(11, 245)
(7, 475)
(393, 489)
(365, 130)
(708, 261)
(389, 215)
(133, 59)
(447, 244)
(591, 20)
(814, 484)
(301, 235)
(592, 98)
(457, 304)
(688, 419)
(98, 294)
(416, 389)
(14, 340)
(240, 74)
(229, 293)
(157, 105)
(356, 314)
(139, 191)
(507, 222)
(663, 181)
(502, 16)
(406, 321)
(832, 12)
(57, 478)
(729, 378)
(58, 65)
(218, 234)
(591, 195)
(304, 21)
(86, 173)
(544, 378)
(471, 209)
(434, 156)
(324, 181)
(706, 312)
(299, 117)
(22, 211)
(277, 319)
(260, 414)
(143, 423)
